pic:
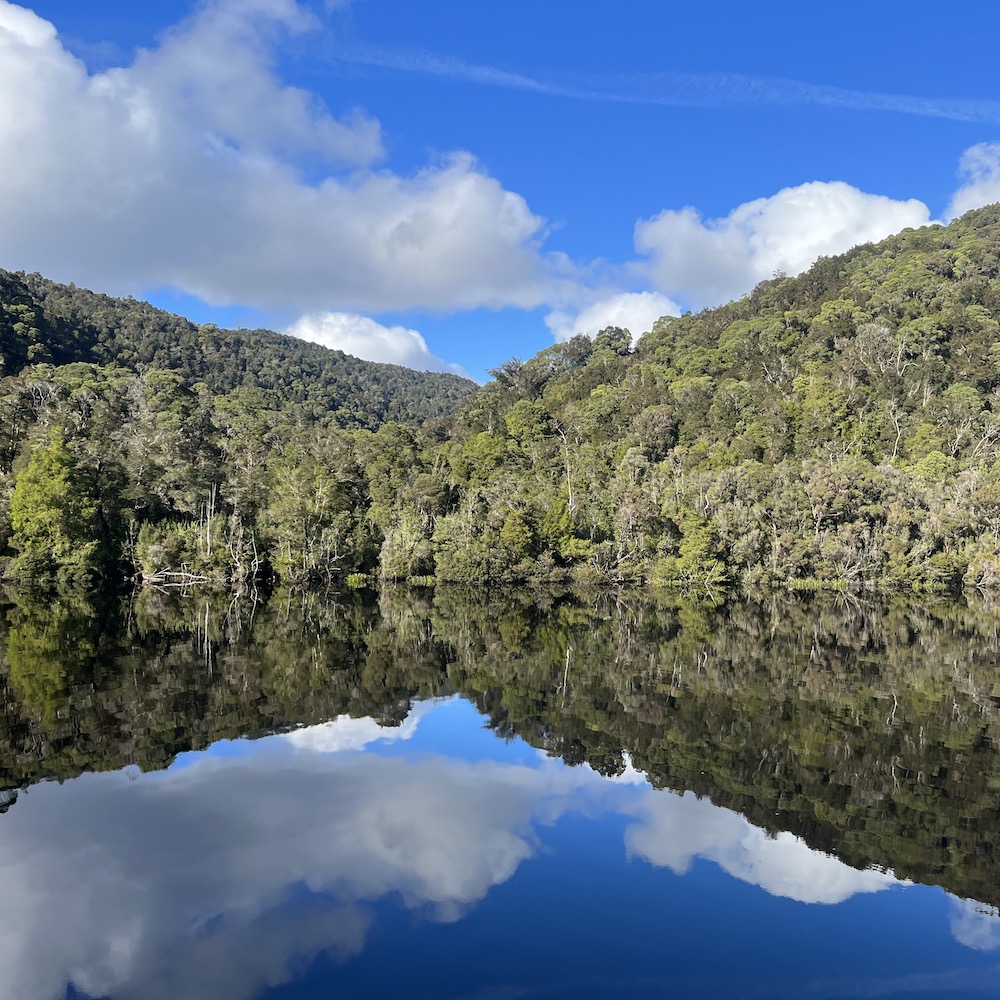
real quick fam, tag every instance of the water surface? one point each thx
(527, 797)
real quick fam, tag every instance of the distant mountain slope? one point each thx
(42, 321)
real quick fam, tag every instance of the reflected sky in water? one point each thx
(433, 859)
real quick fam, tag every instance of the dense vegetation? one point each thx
(131, 439)
(838, 429)
(870, 731)
(44, 323)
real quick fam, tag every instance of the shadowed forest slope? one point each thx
(42, 322)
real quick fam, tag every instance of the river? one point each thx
(498, 796)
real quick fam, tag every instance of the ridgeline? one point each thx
(42, 322)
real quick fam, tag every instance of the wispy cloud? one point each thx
(703, 90)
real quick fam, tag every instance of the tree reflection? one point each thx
(870, 731)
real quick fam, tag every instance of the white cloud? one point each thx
(973, 924)
(347, 733)
(677, 828)
(707, 262)
(182, 170)
(214, 71)
(634, 311)
(365, 338)
(196, 167)
(980, 172)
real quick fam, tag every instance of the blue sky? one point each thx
(454, 183)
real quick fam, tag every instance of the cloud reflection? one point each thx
(674, 829)
(227, 875)
(157, 882)
(975, 925)
(346, 733)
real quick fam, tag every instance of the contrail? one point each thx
(685, 90)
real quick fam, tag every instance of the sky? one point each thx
(449, 184)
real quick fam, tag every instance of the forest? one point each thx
(836, 430)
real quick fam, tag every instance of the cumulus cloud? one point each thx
(182, 169)
(675, 829)
(196, 167)
(973, 924)
(365, 338)
(980, 173)
(347, 733)
(710, 261)
(634, 311)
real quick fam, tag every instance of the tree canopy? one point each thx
(839, 429)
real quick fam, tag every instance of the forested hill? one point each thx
(45, 322)
(838, 429)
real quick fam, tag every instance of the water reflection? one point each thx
(194, 883)
(676, 829)
(347, 733)
(227, 874)
(809, 751)
(974, 924)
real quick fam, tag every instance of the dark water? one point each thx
(492, 798)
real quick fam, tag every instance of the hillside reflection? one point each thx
(868, 732)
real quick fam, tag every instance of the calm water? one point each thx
(491, 799)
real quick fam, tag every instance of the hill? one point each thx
(839, 429)
(836, 429)
(45, 322)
